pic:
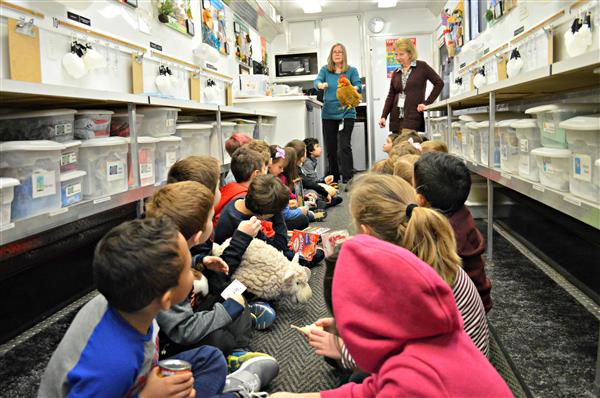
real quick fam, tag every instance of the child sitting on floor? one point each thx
(434, 146)
(389, 142)
(231, 145)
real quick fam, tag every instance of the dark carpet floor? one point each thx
(551, 341)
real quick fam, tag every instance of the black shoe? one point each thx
(336, 200)
(317, 258)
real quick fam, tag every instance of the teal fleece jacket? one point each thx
(332, 109)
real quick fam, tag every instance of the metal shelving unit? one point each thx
(19, 95)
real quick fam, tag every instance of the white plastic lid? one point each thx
(557, 108)
(94, 112)
(171, 138)
(71, 144)
(485, 123)
(126, 114)
(241, 121)
(71, 175)
(34, 145)
(477, 117)
(551, 152)
(437, 119)
(524, 124)
(597, 162)
(472, 125)
(584, 123)
(46, 113)
(106, 141)
(143, 109)
(226, 124)
(6, 182)
(144, 140)
(505, 123)
(194, 126)
(455, 124)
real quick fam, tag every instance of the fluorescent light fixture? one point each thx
(310, 6)
(386, 3)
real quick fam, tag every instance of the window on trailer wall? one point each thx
(476, 10)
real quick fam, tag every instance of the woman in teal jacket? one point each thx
(338, 122)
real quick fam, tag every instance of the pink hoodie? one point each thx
(400, 323)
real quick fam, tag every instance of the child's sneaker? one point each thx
(237, 358)
(263, 315)
(252, 376)
(319, 215)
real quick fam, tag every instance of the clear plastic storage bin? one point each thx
(267, 130)
(69, 157)
(71, 184)
(509, 146)
(456, 140)
(553, 165)
(244, 126)
(146, 148)
(7, 194)
(550, 116)
(119, 124)
(167, 153)
(528, 134)
(158, 121)
(105, 161)
(583, 137)
(36, 165)
(227, 129)
(484, 132)
(473, 142)
(92, 123)
(55, 125)
(195, 139)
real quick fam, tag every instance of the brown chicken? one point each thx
(347, 94)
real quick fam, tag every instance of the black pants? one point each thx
(338, 146)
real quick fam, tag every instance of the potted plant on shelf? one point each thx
(165, 9)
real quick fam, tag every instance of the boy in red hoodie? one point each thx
(245, 165)
(415, 348)
(443, 182)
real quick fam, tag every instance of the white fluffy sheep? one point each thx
(267, 273)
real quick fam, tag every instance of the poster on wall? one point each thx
(243, 43)
(213, 25)
(176, 14)
(390, 55)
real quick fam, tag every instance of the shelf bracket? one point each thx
(25, 27)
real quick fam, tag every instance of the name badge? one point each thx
(401, 98)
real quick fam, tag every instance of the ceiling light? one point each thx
(311, 6)
(386, 3)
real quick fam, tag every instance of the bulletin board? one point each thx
(243, 41)
(214, 32)
(390, 55)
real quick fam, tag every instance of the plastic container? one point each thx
(7, 188)
(243, 126)
(167, 152)
(146, 159)
(473, 142)
(528, 134)
(227, 129)
(583, 138)
(550, 116)
(36, 165)
(92, 123)
(483, 129)
(253, 86)
(55, 125)
(69, 157)
(71, 184)
(195, 139)
(105, 161)
(456, 139)
(509, 146)
(266, 130)
(158, 121)
(553, 165)
(119, 124)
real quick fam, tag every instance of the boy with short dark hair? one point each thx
(443, 182)
(231, 145)
(203, 169)
(246, 164)
(140, 268)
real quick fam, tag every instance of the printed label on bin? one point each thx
(170, 159)
(524, 163)
(582, 167)
(146, 170)
(169, 123)
(115, 170)
(68, 158)
(43, 183)
(550, 169)
(524, 145)
(549, 128)
(63, 129)
(73, 189)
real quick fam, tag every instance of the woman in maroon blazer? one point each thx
(406, 101)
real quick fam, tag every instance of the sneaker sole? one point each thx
(249, 362)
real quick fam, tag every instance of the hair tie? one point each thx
(279, 153)
(415, 144)
(409, 210)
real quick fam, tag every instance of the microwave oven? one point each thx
(296, 64)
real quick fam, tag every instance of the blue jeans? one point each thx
(209, 369)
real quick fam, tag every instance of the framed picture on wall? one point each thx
(244, 70)
(133, 3)
(236, 27)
